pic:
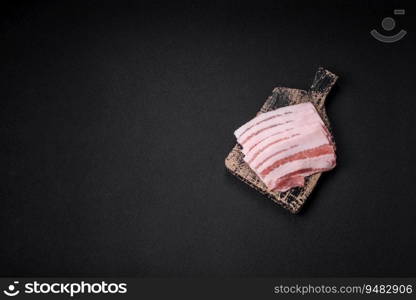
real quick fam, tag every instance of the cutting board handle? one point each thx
(321, 86)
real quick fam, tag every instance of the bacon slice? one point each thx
(300, 136)
(279, 112)
(279, 123)
(286, 145)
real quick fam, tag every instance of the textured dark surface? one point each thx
(116, 118)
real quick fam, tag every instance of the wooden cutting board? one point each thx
(292, 199)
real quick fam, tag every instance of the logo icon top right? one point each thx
(389, 24)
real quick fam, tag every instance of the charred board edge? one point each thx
(295, 198)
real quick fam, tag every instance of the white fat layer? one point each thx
(291, 108)
(325, 162)
(305, 116)
(289, 186)
(303, 143)
(278, 131)
(299, 132)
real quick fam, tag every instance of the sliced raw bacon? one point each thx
(284, 122)
(279, 112)
(300, 136)
(286, 145)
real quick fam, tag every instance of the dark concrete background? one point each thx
(116, 118)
